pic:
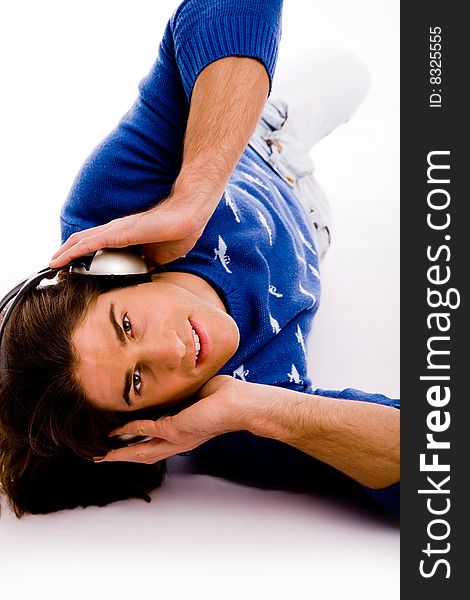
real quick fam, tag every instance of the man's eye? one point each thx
(137, 381)
(126, 324)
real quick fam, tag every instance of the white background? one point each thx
(69, 70)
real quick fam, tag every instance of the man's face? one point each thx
(137, 347)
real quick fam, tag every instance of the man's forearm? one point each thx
(226, 103)
(361, 439)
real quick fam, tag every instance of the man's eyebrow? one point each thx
(122, 340)
(119, 332)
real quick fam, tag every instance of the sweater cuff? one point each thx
(229, 35)
(388, 498)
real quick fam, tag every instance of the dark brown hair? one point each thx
(49, 432)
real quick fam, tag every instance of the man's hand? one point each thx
(163, 233)
(213, 414)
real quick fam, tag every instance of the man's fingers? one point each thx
(76, 237)
(142, 427)
(88, 244)
(80, 248)
(115, 234)
(145, 452)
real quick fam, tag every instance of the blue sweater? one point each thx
(257, 249)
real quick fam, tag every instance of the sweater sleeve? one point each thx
(135, 166)
(207, 31)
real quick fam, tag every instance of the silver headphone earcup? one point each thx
(111, 261)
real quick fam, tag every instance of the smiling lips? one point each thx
(201, 343)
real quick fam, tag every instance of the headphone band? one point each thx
(14, 296)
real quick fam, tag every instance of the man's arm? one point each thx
(226, 103)
(361, 439)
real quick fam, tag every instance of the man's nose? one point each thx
(167, 350)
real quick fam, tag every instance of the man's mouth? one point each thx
(201, 342)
